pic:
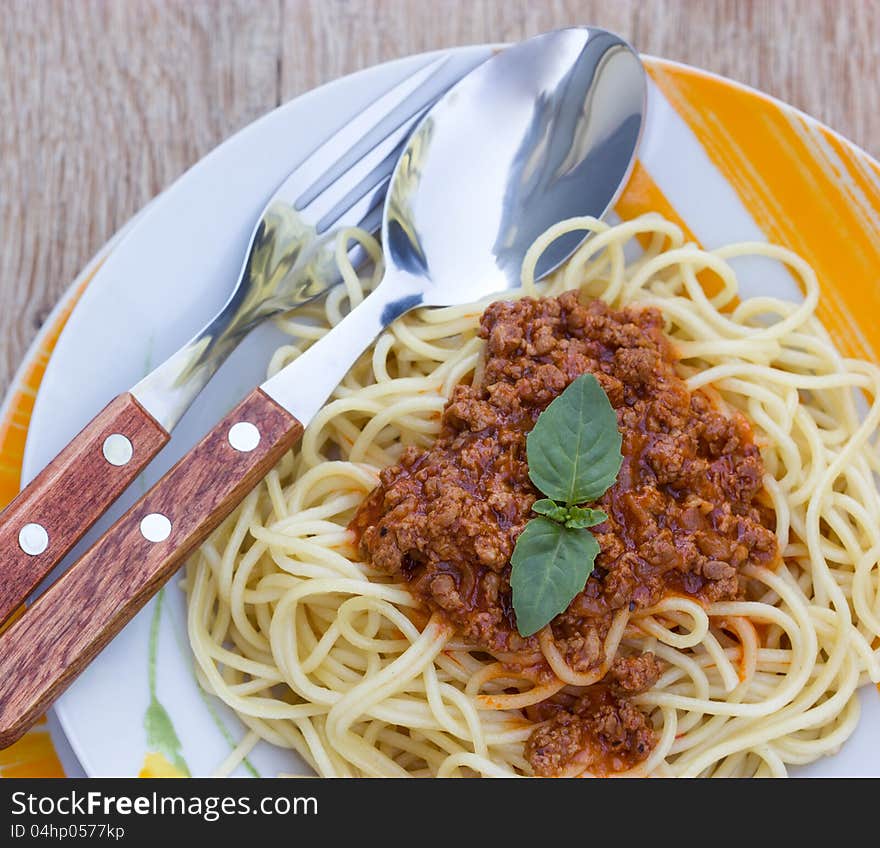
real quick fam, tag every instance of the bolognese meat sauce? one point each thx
(682, 516)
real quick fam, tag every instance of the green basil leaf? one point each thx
(574, 448)
(551, 509)
(550, 565)
(579, 518)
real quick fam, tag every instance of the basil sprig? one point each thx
(574, 457)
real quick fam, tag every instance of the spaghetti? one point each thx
(318, 651)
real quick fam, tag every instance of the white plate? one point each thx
(164, 278)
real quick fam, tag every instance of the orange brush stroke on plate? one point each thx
(34, 754)
(643, 195)
(14, 428)
(772, 159)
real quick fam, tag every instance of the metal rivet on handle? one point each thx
(117, 449)
(33, 539)
(244, 436)
(155, 527)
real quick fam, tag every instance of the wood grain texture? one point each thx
(42, 652)
(71, 493)
(105, 103)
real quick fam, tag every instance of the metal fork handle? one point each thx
(282, 246)
(55, 510)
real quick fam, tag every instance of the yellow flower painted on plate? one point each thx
(162, 739)
(155, 765)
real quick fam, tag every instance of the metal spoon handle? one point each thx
(303, 386)
(51, 514)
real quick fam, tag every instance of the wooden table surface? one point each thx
(104, 104)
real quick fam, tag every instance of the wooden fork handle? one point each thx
(43, 651)
(71, 493)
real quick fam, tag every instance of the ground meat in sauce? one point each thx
(600, 730)
(683, 514)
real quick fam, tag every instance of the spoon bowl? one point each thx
(543, 131)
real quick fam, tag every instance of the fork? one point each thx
(289, 262)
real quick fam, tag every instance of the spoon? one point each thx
(290, 262)
(543, 131)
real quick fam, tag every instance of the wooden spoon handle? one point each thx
(43, 652)
(51, 514)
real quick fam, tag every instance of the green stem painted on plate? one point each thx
(161, 735)
(210, 701)
(224, 730)
(152, 648)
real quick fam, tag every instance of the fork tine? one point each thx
(391, 122)
(357, 136)
(372, 221)
(337, 196)
(342, 182)
(342, 194)
(350, 201)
